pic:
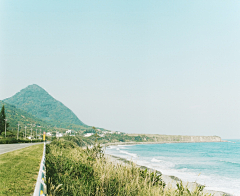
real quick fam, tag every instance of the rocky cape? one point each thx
(158, 139)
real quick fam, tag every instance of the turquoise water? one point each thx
(215, 165)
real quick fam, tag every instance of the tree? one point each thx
(2, 120)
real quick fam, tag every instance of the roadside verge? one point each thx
(19, 170)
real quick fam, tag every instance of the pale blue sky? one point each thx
(167, 67)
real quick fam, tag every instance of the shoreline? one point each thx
(170, 180)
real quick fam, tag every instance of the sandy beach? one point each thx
(170, 181)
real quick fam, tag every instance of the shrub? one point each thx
(14, 140)
(8, 141)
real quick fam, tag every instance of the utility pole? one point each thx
(31, 134)
(5, 127)
(18, 130)
(36, 133)
(25, 132)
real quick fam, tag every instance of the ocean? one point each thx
(215, 165)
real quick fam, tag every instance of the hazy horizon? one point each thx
(161, 67)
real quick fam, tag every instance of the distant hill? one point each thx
(36, 101)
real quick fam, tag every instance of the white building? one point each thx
(48, 134)
(88, 134)
(70, 131)
(59, 134)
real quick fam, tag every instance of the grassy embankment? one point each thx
(19, 170)
(72, 170)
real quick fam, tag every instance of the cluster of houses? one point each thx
(102, 134)
(72, 133)
(58, 134)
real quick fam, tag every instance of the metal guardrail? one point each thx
(41, 187)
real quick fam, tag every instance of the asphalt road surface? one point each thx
(4, 148)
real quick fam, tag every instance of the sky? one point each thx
(162, 67)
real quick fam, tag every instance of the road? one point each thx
(4, 148)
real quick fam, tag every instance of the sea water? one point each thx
(215, 165)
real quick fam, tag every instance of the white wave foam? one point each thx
(111, 147)
(128, 153)
(231, 162)
(211, 182)
(155, 160)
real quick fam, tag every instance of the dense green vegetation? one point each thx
(72, 170)
(19, 170)
(37, 102)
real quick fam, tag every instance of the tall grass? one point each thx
(72, 170)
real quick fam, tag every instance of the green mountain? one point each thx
(37, 102)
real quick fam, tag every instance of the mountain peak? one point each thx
(33, 87)
(36, 101)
